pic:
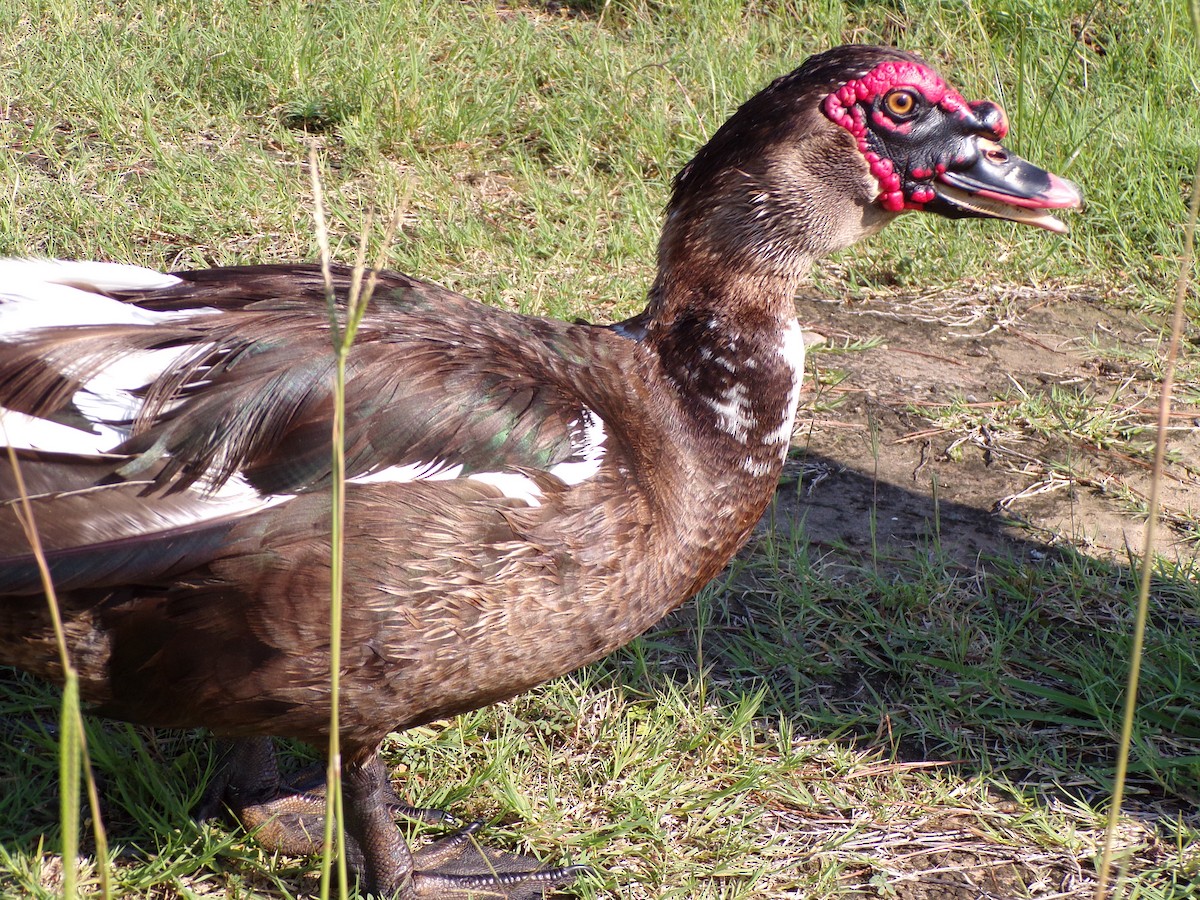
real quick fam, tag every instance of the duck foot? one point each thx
(457, 867)
(311, 782)
(290, 818)
(248, 770)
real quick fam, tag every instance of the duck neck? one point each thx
(731, 346)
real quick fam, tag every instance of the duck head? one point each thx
(838, 148)
(929, 149)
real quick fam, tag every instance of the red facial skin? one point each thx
(850, 105)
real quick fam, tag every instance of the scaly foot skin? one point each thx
(456, 866)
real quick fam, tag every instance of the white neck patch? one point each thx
(791, 351)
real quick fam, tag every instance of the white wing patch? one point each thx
(510, 484)
(513, 485)
(44, 293)
(587, 443)
(87, 276)
(436, 470)
(39, 294)
(24, 432)
(109, 400)
(109, 397)
(236, 497)
(113, 521)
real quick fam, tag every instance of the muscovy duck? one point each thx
(524, 495)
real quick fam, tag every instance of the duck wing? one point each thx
(173, 405)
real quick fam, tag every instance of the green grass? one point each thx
(823, 722)
(542, 143)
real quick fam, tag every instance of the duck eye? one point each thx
(900, 103)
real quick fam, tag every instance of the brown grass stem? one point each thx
(1147, 571)
(73, 752)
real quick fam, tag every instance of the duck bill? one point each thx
(1001, 185)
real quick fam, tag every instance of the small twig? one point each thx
(1052, 482)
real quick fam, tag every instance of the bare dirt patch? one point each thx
(882, 441)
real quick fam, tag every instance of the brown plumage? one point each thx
(525, 495)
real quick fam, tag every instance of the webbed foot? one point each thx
(311, 784)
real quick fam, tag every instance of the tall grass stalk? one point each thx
(73, 755)
(1148, 556)
(334, 820)
(342, 336)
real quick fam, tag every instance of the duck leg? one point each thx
(247, 776)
